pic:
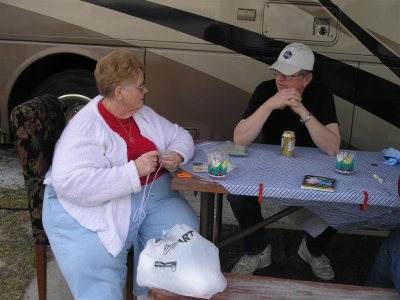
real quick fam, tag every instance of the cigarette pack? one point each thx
(318, 183)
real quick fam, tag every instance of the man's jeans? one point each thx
(385, 272)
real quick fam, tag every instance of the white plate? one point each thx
(344, 172)
(213, 176)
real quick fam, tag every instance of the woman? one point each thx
(109, 186)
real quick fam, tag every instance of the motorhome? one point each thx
(203, 59)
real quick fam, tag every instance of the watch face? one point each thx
(304, 121)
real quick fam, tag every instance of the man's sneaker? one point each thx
(321, 266)
(249, 264)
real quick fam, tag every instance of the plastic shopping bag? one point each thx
(182, 262)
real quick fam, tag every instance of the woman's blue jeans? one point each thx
(90, 271)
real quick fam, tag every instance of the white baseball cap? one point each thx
(293, 58)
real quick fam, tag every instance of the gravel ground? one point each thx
(16, 249)
(10, 168)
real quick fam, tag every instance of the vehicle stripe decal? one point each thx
(377, 96)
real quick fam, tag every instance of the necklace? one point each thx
(129, 133)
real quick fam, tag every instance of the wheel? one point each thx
(74, 88)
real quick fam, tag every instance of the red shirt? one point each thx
(137, 145)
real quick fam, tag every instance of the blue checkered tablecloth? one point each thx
(282, 177)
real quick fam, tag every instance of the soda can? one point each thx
(288, 142)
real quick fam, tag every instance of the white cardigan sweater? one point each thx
(92, 176)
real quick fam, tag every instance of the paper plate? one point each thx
(214, 176)
(344, 172)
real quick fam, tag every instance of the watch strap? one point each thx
(306, 118)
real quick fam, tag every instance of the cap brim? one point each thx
(284, 68)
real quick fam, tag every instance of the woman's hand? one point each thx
(171, 160)
(147, 163)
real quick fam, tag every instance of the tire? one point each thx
(74, 88)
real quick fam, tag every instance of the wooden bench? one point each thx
(259, 287)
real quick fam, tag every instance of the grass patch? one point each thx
(17, 266)
(13, 198)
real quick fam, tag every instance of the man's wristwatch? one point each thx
(306, 118)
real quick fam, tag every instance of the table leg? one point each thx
(207, 215)
(218, 218)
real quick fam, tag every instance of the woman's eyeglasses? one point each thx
(140, 88)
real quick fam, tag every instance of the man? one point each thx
(290, 102)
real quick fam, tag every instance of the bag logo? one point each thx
(169, 246)
(186, 237)
(170, 264)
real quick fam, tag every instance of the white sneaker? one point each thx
(249, 264)
(321, 266)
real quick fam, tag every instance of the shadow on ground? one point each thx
(351, 255)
